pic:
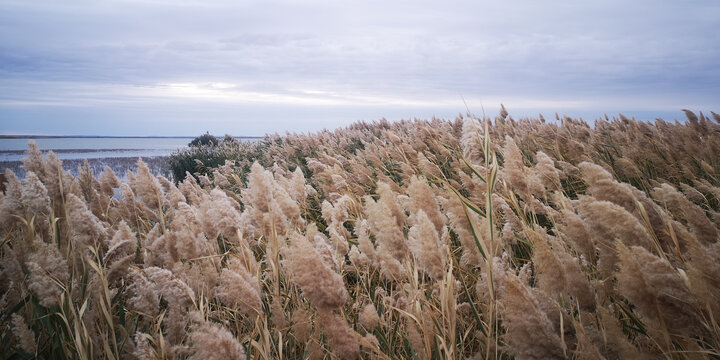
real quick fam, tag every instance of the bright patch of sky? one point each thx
(112, 67)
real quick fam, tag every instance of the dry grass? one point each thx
(418, 239)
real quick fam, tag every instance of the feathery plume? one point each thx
(201, 275)
(341, 337)
(143, 350)
(214, 342)
(585, 349)
(455, 210)
(11, 206)
(172, 289)
(336, 215)
(548, 175)
(422, 198)
(25, 336)
(87, 230)
(573, 230)
(382, 216)
(218, 215)
(48, 270)
(365, 245)
(609, 221)
(186, 239)
(657, 290)
(157, 251)
(54, 177)
(322, 286)
(220, 180)
(33, 161)
(470, 141)
(602, 186)
(627, 168)
(121, 251)
(514, 170)
(301, 324)
(269, 209)
(703, 270)
(239, 289)
(190, 189)
(693, 194)
(146, 186)
(127, 205)
(368, 317)
(429, 169)
(12, 276)
(524, 320)
(108, 181)
(141, 295)
(173, 195)
(34, 195)
(615, 344)
(558, 273)
(424, 243)
(682, 208)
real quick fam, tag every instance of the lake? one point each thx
(119, 153)
(93, 148)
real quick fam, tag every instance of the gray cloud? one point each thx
(346, 60)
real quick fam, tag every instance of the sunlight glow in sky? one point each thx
(118, 67)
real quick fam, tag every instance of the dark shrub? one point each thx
(228, 139)
(204, 140)
(200, 160)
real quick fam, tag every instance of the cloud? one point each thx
(411, 56)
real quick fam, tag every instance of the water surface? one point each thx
(68, 148)
(119, 153)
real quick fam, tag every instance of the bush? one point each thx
(229, 139)
(204, 140)
(200, 160)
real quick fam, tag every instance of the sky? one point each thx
(246, 68)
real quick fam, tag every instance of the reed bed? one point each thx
(474, 238)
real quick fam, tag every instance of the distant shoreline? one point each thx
(108, 137)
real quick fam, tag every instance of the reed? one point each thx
(431, 239)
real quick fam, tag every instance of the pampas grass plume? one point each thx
(214, 342)
(48, 270)
(23, 334)
(424, 243)
(319, 283)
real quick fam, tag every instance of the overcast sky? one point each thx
(175, 67)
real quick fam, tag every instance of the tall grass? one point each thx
(473, 238)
